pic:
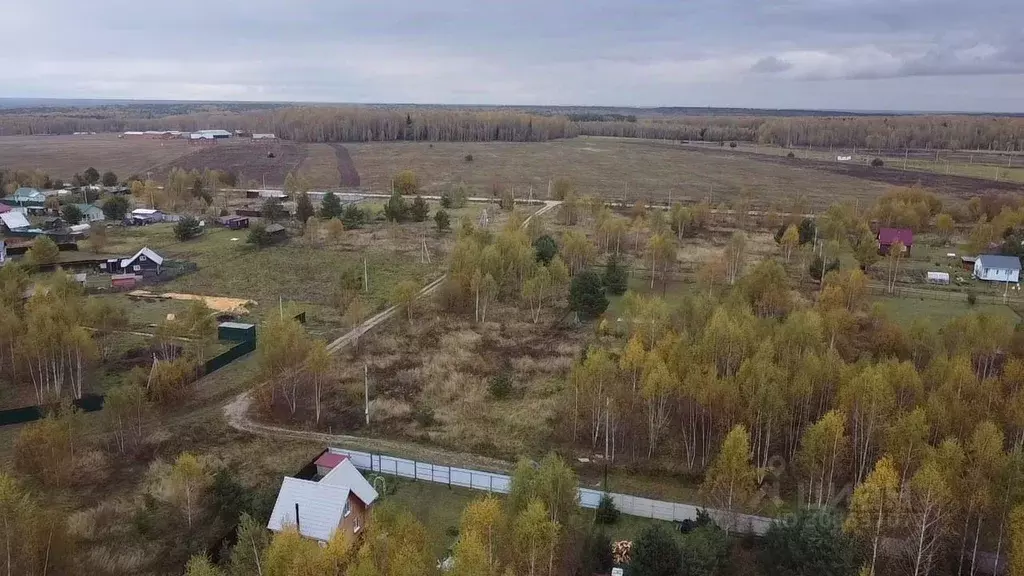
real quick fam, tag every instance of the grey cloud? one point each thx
(770, 64)
(651, 52)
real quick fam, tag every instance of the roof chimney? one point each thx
(297, 527)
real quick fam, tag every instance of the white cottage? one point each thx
(997, 268)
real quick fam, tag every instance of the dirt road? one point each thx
(236, 412)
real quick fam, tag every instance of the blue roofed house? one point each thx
(997, 268)
(26, 195)
(28, 199)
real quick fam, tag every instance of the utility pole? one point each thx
(906, 154)
(366, 392)
(366, 278)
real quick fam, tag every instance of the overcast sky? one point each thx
(962, 55)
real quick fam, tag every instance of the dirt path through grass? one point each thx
(346, 167)
(237, 411)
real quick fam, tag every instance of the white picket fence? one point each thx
(499, 484)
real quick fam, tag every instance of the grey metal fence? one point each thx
(500, 483)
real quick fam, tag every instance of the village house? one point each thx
(339, 502)
(142, 216)
(91, 212)
(28, 200)
(233, 222)
(997, 268)
(145, 262)
(13, 221)
(889, 236)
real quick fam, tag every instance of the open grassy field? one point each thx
(320, 166)
(63, 156)
(904, 310)
(253, 161)
(608, 168)
(430, 380)
(295, 271)
(953, 172)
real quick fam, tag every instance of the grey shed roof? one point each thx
(999, 261)
(321, 508)
(236, 325)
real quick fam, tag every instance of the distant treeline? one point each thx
(884, 132)
(441, 123)
(596, 117)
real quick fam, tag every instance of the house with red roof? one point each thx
(337, 504)
(889, 236)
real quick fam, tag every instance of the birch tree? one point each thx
(189, 477)
(790, 240)
(657, 389)
(823, 456)
(483, 517)
(125, 409)
(661, 251)
(535, 538)
(730, 480)
(735, 252)
(874, 507)
(892, 269)
(318, 362)
(929, 503)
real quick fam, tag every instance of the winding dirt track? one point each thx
(236, 412)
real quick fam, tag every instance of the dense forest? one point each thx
(364, 123)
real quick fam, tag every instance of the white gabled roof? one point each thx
(321, 508)
(153, 256)
(345, 475)
(144, 211)
(14, 220)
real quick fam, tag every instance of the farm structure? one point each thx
(236, 331)
(14, 221)
(234, 222)
(997, 268)
(91, 212)
(145, 262)
(889, 236)
(339, 502)
(277, 233)
(144, 216)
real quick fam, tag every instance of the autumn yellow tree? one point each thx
(790, 240)
(823, 455)
(735, 252)
(944, 227)
(874, 508)
(483, 518)
(190, 479)
(730, 480)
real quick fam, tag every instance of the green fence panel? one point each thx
(229, 356)
(87, 403)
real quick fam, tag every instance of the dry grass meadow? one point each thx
(609, 168)
(320, 167)
(429, 380)
(63, 156)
